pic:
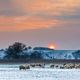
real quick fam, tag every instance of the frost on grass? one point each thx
(11, 72)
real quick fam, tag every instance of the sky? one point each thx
(40, 23)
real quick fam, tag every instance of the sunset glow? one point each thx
(52, 47)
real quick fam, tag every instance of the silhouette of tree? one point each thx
(13, 51)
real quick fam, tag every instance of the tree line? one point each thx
(20, 51)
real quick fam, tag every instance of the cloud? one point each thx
(58, 7)
(24, 23)
(18, 15)
(8, 8)
(31, 7)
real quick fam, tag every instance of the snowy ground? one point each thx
(11, 72)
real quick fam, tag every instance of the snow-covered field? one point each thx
(11, 72)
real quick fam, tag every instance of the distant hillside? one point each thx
(46, 53)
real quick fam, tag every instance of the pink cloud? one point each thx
(24, 23)
(57, 7)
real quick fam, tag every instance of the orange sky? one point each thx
(53, 7)
(41, 21)
(35, 14)
(23, 23)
